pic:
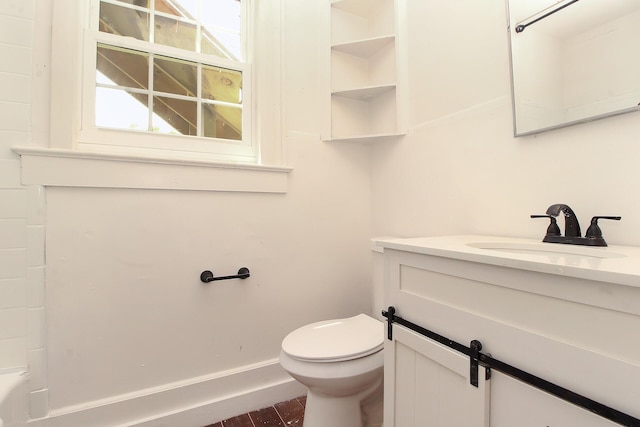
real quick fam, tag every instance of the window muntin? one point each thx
(198, 94)
(117, 19)
(213, 27)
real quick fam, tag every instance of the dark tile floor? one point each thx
(283, 414)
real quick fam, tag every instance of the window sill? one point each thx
(73, 168)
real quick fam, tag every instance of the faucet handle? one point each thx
(594, 231)
(553, 229)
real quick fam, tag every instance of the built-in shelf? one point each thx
(366, 47)
(364, 88)
(364, 93)
(366, 137)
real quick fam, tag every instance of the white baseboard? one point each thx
(193, 403)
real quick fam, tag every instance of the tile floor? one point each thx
(283, 414)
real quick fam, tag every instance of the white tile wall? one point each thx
(13, 323)
(22, 209)
(20, 63)
(15, 115)
(14, 292)
(35, 287)
(13, 263)
(9, 138)
(35, 205)
(15, 87)
(39, 403)
(35, 245)
(16, 30)
(9, 172)
(13, 203)
(21, 8)
(12, 351)
(14, 233)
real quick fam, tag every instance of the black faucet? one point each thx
(572, 234)
(571, 225)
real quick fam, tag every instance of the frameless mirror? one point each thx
(573, 61)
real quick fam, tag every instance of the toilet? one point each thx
(340, 362)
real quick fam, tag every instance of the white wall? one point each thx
(124, 295)
(22, 313)
(459, 170)
(127, 316)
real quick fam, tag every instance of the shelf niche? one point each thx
(364, 95)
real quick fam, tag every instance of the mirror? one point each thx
(573, 61)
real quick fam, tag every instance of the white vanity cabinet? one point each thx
(366, 63)
(428, 385)
(540, 313)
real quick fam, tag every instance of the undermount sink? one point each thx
(548, 249)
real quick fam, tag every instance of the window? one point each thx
(80, 151)
(168, 75)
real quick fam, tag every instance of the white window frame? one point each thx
(63, 160)
(94, 138)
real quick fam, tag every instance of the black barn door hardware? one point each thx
(484, 359)
(520, 28)
(207, 276)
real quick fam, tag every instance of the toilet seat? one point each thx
(335, 340)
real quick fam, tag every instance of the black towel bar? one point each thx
(207, 276)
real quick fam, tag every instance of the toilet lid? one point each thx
(335, 340)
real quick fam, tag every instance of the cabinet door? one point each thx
(427, 385)
(518, 404)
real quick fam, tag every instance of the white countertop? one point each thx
(612, 264)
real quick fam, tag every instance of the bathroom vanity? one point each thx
(569, 315)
